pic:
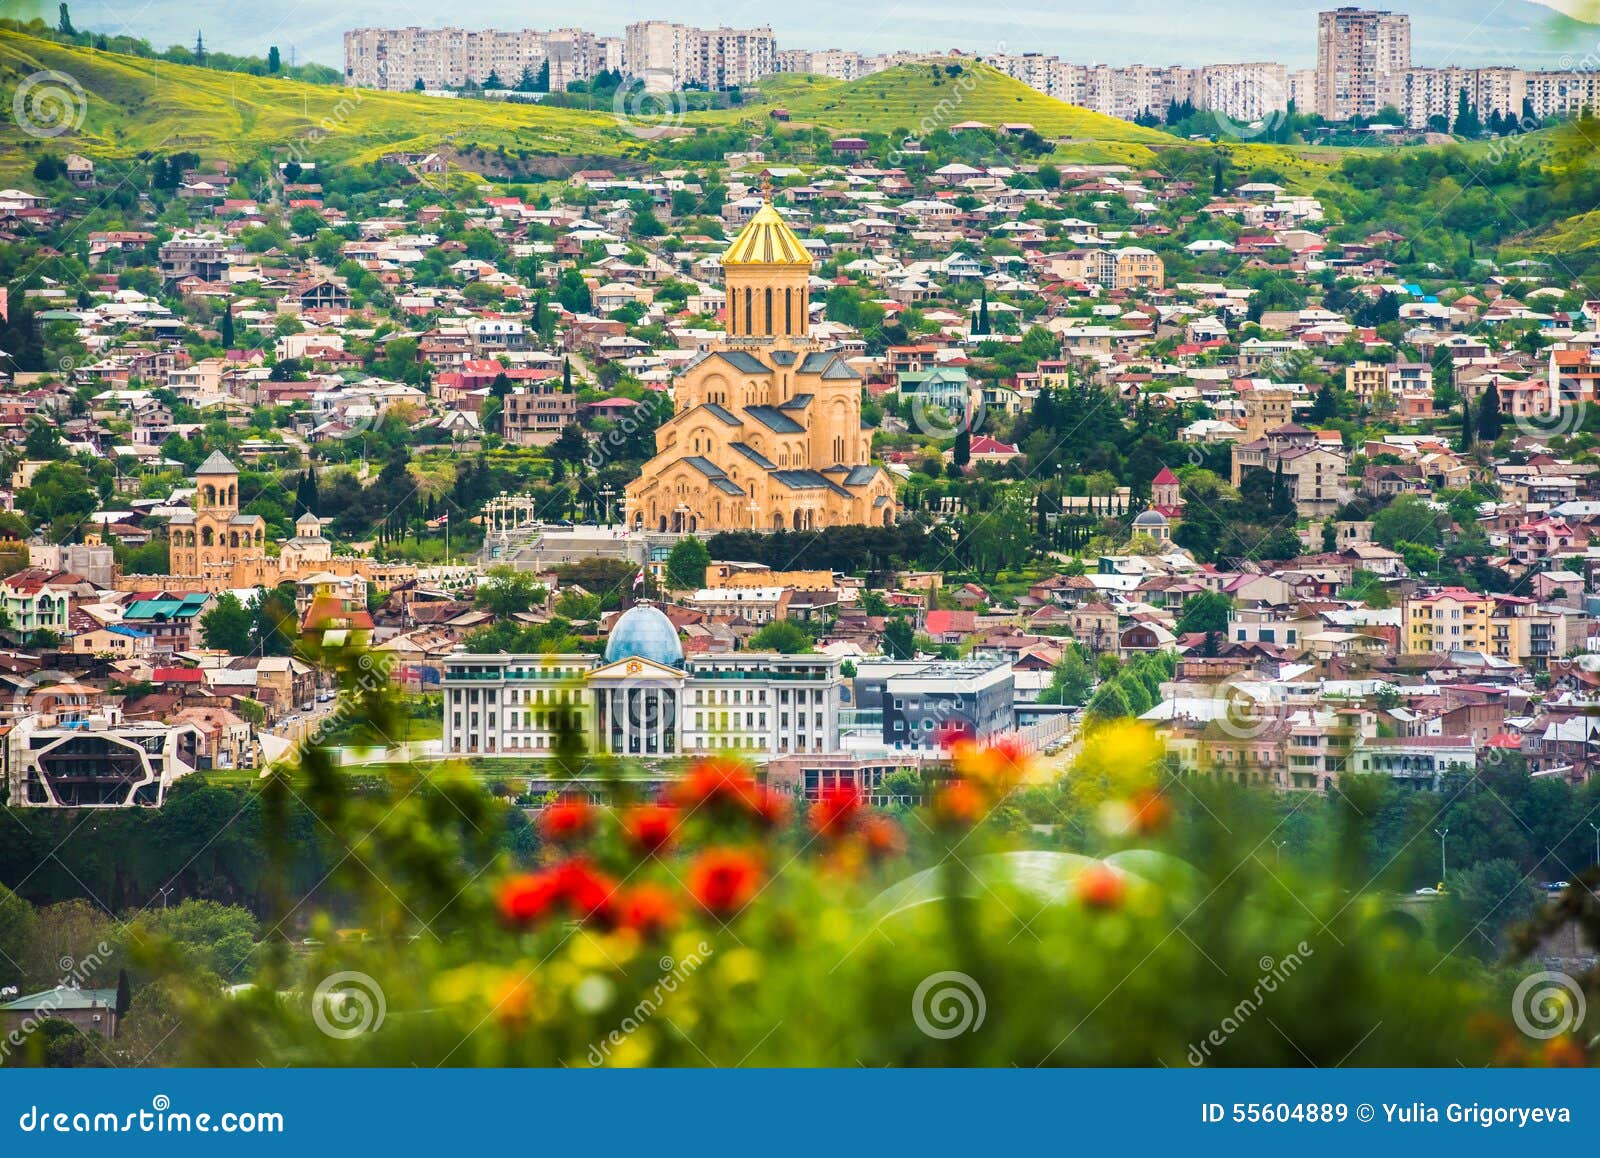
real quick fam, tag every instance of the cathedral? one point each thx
(766, 432)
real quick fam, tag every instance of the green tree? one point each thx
(1071, 682)
(226, 627)
(1109, 702)
(687, 563)
(505, 591)
(274, 60)
(899, 640)
(275, 627)
(1490, 420)
(16, 931)
(781, 636)
(1407, 519)
(1206, 612)
(1483, 901)
(202, 934)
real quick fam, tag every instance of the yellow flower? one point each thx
(1125, 752)
(738, 966)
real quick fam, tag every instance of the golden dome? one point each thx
(766, 240)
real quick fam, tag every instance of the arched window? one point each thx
(749, 298)
(788, 311)
(769, 312)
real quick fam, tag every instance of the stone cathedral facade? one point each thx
(766, 432)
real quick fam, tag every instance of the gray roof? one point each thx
(724, 413)
(754, 455)
(719, 478)
(774, 419)
(217, 464)
(745, 361)
(809, 480)
(63, 997)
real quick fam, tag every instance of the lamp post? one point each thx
(1277, 852)
(1441, 833)
(1596, 828)
(165, 891)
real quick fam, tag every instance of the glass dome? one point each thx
(643, 631)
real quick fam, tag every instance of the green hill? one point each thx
(132, 105)
(925, 97)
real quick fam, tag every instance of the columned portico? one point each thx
(636, 705)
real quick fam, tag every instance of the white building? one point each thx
(668, 57)
(643, 699)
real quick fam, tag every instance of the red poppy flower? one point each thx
(715, 780)
(526, 897)
(1100, 887)
(648, 909)
(650, 826)
(1152, 811)
(770, 808)
(958, 805)
(834, 812)
(567, 820)
(724, 879)
(882, 837)
(588, 893)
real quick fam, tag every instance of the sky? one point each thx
(1188, 32)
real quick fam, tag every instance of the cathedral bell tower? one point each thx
(766, 271)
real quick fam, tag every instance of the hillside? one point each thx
(924, 97)
(134, 105)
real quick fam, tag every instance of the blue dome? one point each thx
(644, 632)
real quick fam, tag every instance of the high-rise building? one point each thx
(398, 59)
(1362, 58)
(668, 57)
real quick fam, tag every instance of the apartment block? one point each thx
(668, 57)
(442, 58)
(1362, 58)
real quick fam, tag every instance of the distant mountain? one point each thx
(1145, 31)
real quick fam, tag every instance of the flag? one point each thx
(638, 580)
